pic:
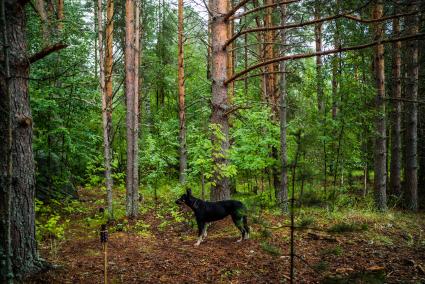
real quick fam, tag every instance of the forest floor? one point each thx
(347, 247)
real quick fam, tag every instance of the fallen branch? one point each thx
(46, 51)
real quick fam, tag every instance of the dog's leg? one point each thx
(204, 232)
(201, 227)
(237, 220)
(246, 227)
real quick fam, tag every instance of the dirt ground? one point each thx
(166, 254)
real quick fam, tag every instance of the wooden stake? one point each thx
(105, 252)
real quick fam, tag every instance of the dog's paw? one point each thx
(197, 244)
(240, 240)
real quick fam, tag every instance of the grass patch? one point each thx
(306, 221)
(345, 227)
(271, 249)
(383, 240)
(336, 250)
(321, 266)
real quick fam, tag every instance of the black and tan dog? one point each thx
(206, 212)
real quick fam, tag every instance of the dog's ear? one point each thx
(189, 192)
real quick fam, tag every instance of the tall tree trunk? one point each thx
(130, 93)
(421, 115)
(60, 14)
(318, 41)
(395, 171)
(41, 11)
(182, 113)
(269, 69)
(230, 57)
(283, 189)
(106, 72)
(17, 169)
(219, 117)
(411, 157)
(270, 86)
(335, 64)
(136, 112)
(380, 154)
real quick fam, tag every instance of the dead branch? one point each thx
(369, 21)
(321, 53)
(235, 9)
(237, 107)
(290, 26)
(260, 74)
(261, 8)
(46, 51)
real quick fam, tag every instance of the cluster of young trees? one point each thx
(233, 95)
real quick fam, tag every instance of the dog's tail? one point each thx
(245, 224)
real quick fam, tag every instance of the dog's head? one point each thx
(185, 198)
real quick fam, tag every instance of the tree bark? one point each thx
(335, 64)
(380, 152)
(230, 57)
(130, 93)
(181, 89)
(41, 10)
(421, 115)
(105, 72)
(411, 156)
(269, 70)
(395, 166)
(60, 14)
(318, 41)
(17, 216)
(136, 107)
(219, 117)
(283, 190)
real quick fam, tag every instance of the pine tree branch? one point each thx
(262, 8)
(321, 53)
(235, 9)
(297, 25)
(46, 51)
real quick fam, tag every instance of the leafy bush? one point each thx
(49, 224)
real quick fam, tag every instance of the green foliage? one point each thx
(306, 221)
(336, 250)
(49, 224)
(66, 108)
(321, 266)
(345, 227)
(271, 249)
(142, 228)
